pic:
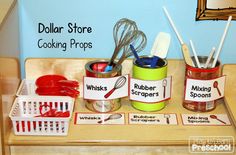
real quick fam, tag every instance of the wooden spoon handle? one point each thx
(186, 54)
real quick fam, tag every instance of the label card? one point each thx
(205, 119)
(204, 90)
(98, 118)
(150, 91)
(106, 88)
(153, 119)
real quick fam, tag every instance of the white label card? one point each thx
(205, 119)
(153, 119)
(150, 91)
(98, 118)
(106, 88)
(204, 90)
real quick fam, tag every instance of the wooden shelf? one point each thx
(5, 7)
(230, 90)
(130, 134)
(173, 135)
(9, 82)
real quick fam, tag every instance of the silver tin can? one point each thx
(94, 69)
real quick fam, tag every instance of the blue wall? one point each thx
(101, 15)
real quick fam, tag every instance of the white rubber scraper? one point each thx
(161, 45)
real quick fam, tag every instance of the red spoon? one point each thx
(215, 117)
(215, 85)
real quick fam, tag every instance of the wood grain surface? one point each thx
(5, 7)
(9, 82)
(161, 135)
(230, 90)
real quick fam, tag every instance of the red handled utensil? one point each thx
(215, 117)
(99, 67)
(120, 82)
(164, 84)
(52, 112)
(215, 85)
(112, 116)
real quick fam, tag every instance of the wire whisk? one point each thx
(139, 42)
(123, 33)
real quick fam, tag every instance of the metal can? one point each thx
(95, 69)
(201, 74)
(145, 72)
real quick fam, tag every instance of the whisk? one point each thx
(123, 32)
(139, 42)
(119, 83)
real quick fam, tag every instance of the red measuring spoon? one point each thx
(57, 91)
(52, 112)
(68, 83)
(55, 81)
(68, 91)
(49, 80)
(49, 91)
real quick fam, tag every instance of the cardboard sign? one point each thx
(98, 118)
(204, 90)
(106, 88)
(205, 119)
(153, 119)
(150, 91)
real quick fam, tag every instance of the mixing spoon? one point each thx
(215, 117)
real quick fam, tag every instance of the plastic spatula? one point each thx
(160, 47)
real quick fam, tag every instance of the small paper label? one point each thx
(162, 119)
(204, 90)
(105, 88)
(97, 118)
(150, 91)
(205, 119)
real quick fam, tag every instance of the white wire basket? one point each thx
(26, 117)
